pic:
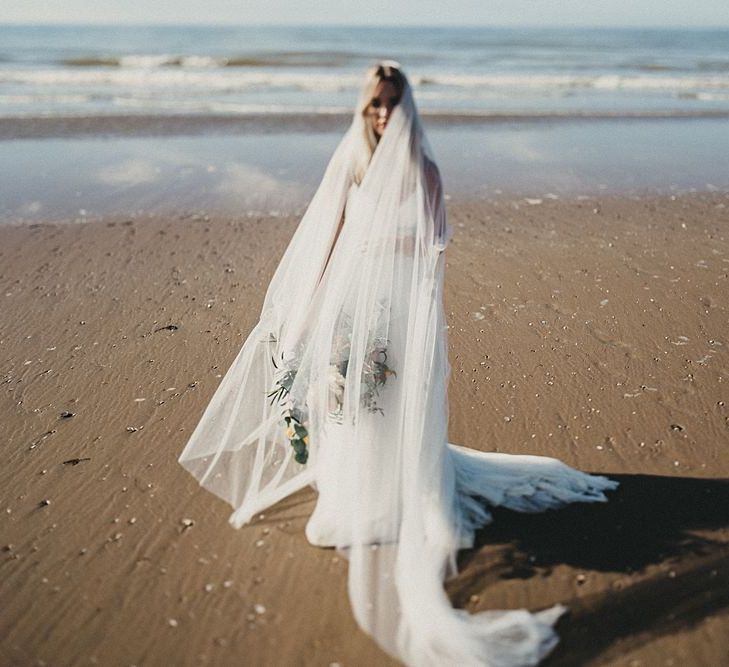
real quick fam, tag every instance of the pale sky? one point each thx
(675, 13)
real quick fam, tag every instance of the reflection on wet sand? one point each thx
(276, 171)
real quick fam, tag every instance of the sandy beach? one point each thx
(592, 329)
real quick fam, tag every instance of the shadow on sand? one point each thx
(648, 520)
(681, 524)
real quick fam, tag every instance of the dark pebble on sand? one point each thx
(75, 462)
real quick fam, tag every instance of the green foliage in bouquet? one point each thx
(294, 418)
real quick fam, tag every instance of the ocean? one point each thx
(98, 121)
(484, 72)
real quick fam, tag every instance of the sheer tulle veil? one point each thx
(342, 385)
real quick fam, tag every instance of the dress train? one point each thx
(519, 482)
(425, 626)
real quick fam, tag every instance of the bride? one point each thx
(342, 385)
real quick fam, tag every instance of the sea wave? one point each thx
(30, 98)
(229, 81)
(141, 61)
(225, 108)
(706, 97)
(284, 115)
(713, 65)
(569, 81)
(275, 59)
(339, 59)
(221, 80)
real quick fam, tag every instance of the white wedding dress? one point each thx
(342, 385)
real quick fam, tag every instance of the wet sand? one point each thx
(97, 167)
(180, 124)
(589, 329)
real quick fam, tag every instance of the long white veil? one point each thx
(342, 384)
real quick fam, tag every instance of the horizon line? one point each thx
(322, 24)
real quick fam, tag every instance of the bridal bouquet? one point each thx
(375, 372)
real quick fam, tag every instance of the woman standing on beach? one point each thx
(342, 385)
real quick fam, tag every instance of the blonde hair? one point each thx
(384, 71)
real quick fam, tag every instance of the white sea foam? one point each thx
(604, 82)
(712, 97)
(203, 76)
(146, 62)
(202, 106)
(220, 80)
(24, 99)
(167, 60)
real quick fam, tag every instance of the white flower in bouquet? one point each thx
(336, 389)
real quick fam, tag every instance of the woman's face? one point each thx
(384, 100)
